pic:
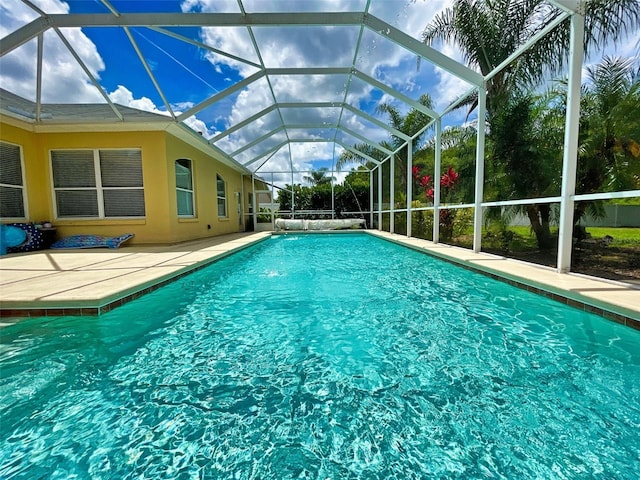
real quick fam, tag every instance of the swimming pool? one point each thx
(323, 356)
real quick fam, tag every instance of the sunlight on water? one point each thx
(323, 356)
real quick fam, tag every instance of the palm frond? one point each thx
(610, 20)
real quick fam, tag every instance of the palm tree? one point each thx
(526, 156)
(409, 124)
(319, 177)
(610, 126)
(609, 151)
(488, 31)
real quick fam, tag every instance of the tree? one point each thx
(409, 124)
(526, 157)
(609, 154)
(319, 177)
(301, 197)
(459, 151)
(488, 32)
(351, 196)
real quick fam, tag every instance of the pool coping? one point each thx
(211, 251)
(576, 290)
(579, 291)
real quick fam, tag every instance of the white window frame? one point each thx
(22, 186)
(190, 191)
(222, 197)
(99, 188)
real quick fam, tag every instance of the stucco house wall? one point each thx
(159, 150)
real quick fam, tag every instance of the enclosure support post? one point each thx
(570, 152)
(333, 200)
(242, 204)
(254, 199)
(380, 196)
(436, 182)
(370, 198)
(409, 183)
(392, 193)
(477, 213)
(293, 206)
(273, 213)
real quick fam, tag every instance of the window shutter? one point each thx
(10, 167)
(77, 203)
(118, 183)
(73, 168)
(11, 190)
(121, 168)
(124, 203)
(11, 202)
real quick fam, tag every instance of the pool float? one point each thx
(11, 236)
(34, 241)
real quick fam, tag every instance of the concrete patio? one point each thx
(90, 282)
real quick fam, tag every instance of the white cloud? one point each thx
(628, 47)
(64, 81)
(199, 126)
(123, 96)
(52, 6)
(14, 14)
(295, 47)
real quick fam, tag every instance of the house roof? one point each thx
(270, 89)
(72, 113)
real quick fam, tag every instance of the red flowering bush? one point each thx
(448, 181)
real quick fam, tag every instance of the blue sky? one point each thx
(188, 74)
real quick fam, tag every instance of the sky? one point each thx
(188, 74)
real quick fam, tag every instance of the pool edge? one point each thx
(610, 311)
(94, 307)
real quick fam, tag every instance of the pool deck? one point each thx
(91, 282)
(94, 281)
(616, 301)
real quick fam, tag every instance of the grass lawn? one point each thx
(617, 260)
(621, 236)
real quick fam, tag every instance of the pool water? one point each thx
(323, 356)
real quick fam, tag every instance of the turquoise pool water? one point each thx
(325, 357)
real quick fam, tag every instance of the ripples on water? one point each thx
(327, 356)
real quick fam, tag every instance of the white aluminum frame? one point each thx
(572, 9)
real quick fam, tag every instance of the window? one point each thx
(98, 183)
(12, 191)
(222, 197)
(184, 188)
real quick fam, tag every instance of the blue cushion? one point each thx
(11, 236)
(34, 241)
(91, 241)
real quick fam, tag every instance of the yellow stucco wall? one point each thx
(38, 205)
(159, 152)
(205, 169)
